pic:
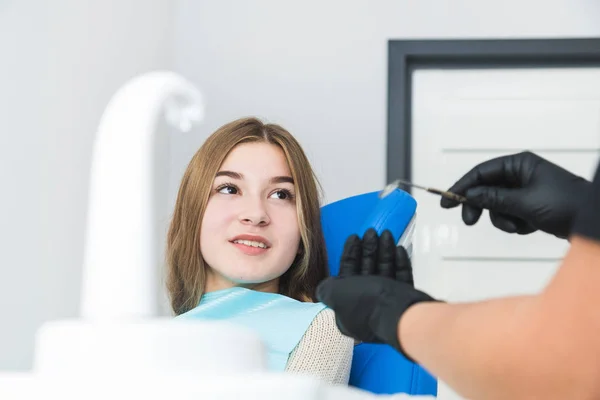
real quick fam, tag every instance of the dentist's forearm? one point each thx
(475, 348)
(544, 346)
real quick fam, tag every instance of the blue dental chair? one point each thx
(377, 368)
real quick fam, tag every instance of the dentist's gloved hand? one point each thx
(523, 193)
(374, 289)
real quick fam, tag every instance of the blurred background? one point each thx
(319, 68)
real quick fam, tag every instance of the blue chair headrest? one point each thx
(358, 213)
(377, 368)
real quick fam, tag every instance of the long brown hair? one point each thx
(186, 273)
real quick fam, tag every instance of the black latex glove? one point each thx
(523, 193)
(587, 221)
(374, 289)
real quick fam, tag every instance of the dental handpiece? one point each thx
(398, 182)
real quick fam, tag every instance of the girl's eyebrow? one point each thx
(282, 179)
(231, 174)
(240, 176)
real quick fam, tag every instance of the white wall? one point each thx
(320, 67)
(61, 62)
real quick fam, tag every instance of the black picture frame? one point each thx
(405, 56)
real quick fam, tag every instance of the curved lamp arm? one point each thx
(128, 180)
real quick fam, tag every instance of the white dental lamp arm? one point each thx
(121, 264)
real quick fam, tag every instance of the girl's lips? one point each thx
(252, 238)
(250, 250)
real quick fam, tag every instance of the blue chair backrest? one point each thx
(376, 368)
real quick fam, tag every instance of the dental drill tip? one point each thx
(388, 189)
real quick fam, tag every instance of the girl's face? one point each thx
(250, 235)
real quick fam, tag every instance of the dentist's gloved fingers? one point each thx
(470, 214)
(503, 222)
(489, 172)
(404, 272)
(525, 186)
(369, 252)
(351, 258)
(511, 224)
(386, 258)
(498, 199)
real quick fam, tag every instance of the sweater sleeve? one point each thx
(323, 351)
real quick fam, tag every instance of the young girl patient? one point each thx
(246, 245)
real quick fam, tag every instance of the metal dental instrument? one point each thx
(398, 182)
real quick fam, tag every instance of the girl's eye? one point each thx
(283, 194)
(227, 189)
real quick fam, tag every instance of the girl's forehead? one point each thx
(256, 158)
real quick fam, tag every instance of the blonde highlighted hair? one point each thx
(186, 274)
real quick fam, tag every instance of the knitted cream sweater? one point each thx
(323, 351)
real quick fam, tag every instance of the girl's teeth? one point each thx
(251, 243)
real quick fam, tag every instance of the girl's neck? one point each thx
(215, 281)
